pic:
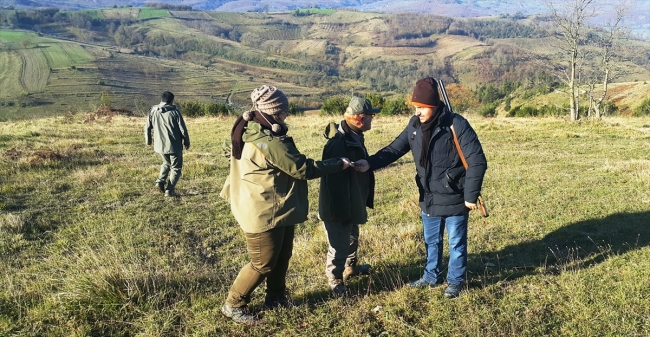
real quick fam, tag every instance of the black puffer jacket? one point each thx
(344, 196)
(444, 185)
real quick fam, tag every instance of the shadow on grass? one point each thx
(577, 246)
(385, 278)
(580, 245)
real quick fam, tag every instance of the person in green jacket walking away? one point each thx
(169, 136)
(344, 196)
(267, 191)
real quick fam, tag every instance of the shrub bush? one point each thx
(488, 110)
(217, 109)
(190, 109)
(643, 109)
(610, 109)
(334, 105)
(393, 107)
(377, 100)
(526, 111)
(293, 109)
(551, 110)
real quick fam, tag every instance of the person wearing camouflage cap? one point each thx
(344, 196)
(267, 191)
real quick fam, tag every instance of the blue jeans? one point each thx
(434, 230)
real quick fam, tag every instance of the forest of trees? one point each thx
(493, 28)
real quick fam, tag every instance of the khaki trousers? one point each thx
(269, 253)
(343, 240)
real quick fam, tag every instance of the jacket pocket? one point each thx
(455, 184)
(420, 187)
(442, 186)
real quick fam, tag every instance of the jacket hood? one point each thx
(254, 132)
(331, 130)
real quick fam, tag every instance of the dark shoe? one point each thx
(452, 291)
(351, 271)
(239, 315)
(161, 187)
(170, 193)
(338, 287)
(422, 283)
(283, 301)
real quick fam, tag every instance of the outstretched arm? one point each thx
(388, 155)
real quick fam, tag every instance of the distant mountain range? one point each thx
(639, 19)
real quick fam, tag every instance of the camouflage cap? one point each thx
(360, 105)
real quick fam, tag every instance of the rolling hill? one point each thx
(59, 61)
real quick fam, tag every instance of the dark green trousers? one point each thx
(270, 253)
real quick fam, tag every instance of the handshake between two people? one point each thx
(359, 165)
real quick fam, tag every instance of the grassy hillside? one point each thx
(89, 247)
(66, 60)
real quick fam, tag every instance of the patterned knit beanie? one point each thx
(269, 100)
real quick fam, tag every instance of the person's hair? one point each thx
(352, 119)
(167, 97)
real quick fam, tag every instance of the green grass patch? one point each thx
(13, 36)
(94, 13)
(310, 11)
(152, 13)
(62, 55)
(89, 246)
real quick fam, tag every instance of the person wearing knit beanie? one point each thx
(448, 189)
(269, 100)
(267, 190)
(425, 93)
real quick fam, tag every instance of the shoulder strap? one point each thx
(460, 151)
(481, 203)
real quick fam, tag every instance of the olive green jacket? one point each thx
(344, 196)
(267, 187)
(169, 131)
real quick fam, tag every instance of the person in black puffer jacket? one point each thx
(447, 190)
(344, 196)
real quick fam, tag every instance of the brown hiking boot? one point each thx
(351, 271)
(338, 287)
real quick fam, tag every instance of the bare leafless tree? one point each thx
(570, 17)
(614, 32)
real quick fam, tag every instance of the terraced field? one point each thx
(151, 13)
(190, 15)
(34, 70)
(61, 55)
(10, 74)
(280, 32)
(121, 13)
(240, 18)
